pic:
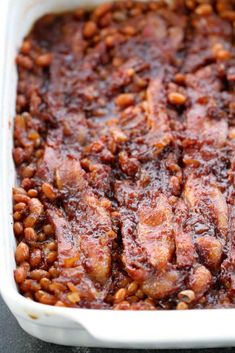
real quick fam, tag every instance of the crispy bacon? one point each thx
(185, 250)
(200, 194)
(155, 232)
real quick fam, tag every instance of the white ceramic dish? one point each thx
(166, 329)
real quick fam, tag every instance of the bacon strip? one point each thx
(87, 237)
(155, 232)
(185, 250)
(201, 194)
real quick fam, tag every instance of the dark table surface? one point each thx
(14, 340)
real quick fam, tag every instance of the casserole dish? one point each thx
(157, 329)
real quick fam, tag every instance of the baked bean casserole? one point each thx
(124, 145)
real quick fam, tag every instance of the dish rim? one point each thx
(115, 324)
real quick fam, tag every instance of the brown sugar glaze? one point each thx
(124, 148)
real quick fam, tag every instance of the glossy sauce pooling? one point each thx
(124, 146)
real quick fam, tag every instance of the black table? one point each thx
(14, 340)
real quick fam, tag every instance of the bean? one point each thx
(140, 294)
(35, 257)
(22, 252)
(120, 295)
(110, 41)
(176, 98)
(51, 246)
(25, 47)
(33, 135)
(30, 221)
(79, 13)
(44, 283)
(24, 61)
(17, 216)
(129, 4)
(204, 10)
(35, 206)
(36, 209)
(41, 236)
(129, 30)
(20, 206)
(124, 305)
(105, 20)
(32, 193)
(57, 287)
(21, 272)
(132, 288)
(190, 4)
(181, 306)
(28, 171)
(117, 62)
(45, 298)
(124, 282)
(149, 302)
(38, 274)
(18, 228)
(124, 100)
(60, 303)
(133, 299)
(34, 286)
(21, 101)
(28, 295)
(44, 60)
(25, 286)
(51, 257)
(119, 16)
(48, 191)
(223, 55)
(228, 15)
(26, 183)
(30, 234)
(90, 29)
(30, 285)
(135, 12)
(187, 296)
(39, 153)
(53, 272)
(19, 190)
(21, 198)
(180, 78)
(231, 133)
(101, 10)
(19, 155)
